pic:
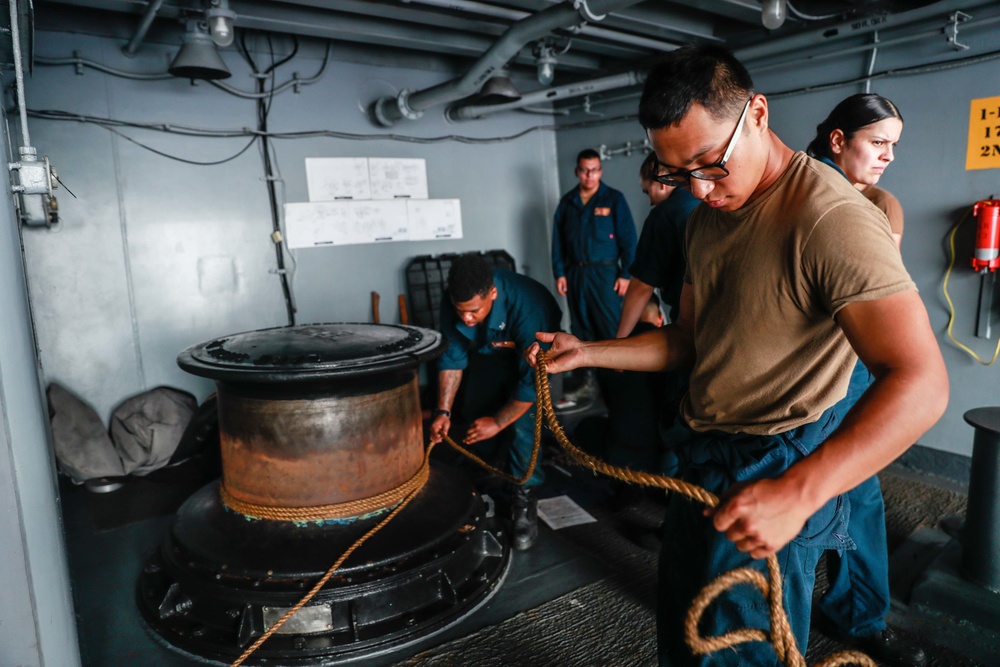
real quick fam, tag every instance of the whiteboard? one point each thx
(335, 178)
(317, 224)
(398, 178)
(434, 219)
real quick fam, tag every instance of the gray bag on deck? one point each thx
(147, 428)
(82, 446)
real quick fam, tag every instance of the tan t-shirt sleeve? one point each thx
(888, 204)
(851, 256)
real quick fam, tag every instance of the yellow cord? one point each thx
(951, 306)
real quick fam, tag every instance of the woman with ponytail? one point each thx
(859, 139)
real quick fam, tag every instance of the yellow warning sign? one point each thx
(984, 134)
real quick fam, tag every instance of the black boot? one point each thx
(524, 506)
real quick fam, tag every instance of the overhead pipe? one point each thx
(471, 111)
(411, 105)
(473, 7)
(15, 37)
(854, 28)
(140, 32)
(923, 35)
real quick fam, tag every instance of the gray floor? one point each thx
(584, 597)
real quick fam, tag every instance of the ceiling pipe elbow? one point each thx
(387, 111)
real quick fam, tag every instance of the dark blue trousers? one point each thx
(487, 384)
(694, 553)
(857, 599)
(594, 307)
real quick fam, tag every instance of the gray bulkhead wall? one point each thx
(37, 627)
(155, 255)
(928, 177)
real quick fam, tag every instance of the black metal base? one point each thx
(220, 580)
(943, 589)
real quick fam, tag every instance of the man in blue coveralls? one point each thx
(791, 277)
(495, 313)
(593, 245)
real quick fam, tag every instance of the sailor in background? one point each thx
(593, 246)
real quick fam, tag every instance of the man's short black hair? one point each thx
(587, 154)
(707, 75)
(469, 276)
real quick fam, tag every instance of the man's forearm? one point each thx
(665, 348)
(892, 415)
(511, 412)
(893, 337)
(448, 382)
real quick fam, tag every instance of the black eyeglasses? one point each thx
(710, 172)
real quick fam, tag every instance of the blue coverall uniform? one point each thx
(659, 257)
(522, 308)
(592, 246)
(715, 460)
(857, 598)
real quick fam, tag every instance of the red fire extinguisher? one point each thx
(987, 257)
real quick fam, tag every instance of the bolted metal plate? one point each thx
(312, 351)
(306, 621)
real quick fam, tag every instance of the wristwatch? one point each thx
(439, 412)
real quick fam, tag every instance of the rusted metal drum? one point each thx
(320, 416)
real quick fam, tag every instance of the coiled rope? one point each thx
(780, 636)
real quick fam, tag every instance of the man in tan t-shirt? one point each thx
(791, 278)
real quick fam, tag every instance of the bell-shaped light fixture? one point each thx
(220, 21)
(498, 89)
(199, 57)
(773, 12)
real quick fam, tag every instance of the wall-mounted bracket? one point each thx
(36, 179)
(951, 30)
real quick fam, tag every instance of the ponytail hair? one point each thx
(852, 114)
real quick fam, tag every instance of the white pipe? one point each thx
(871, 64)
(15, 36)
